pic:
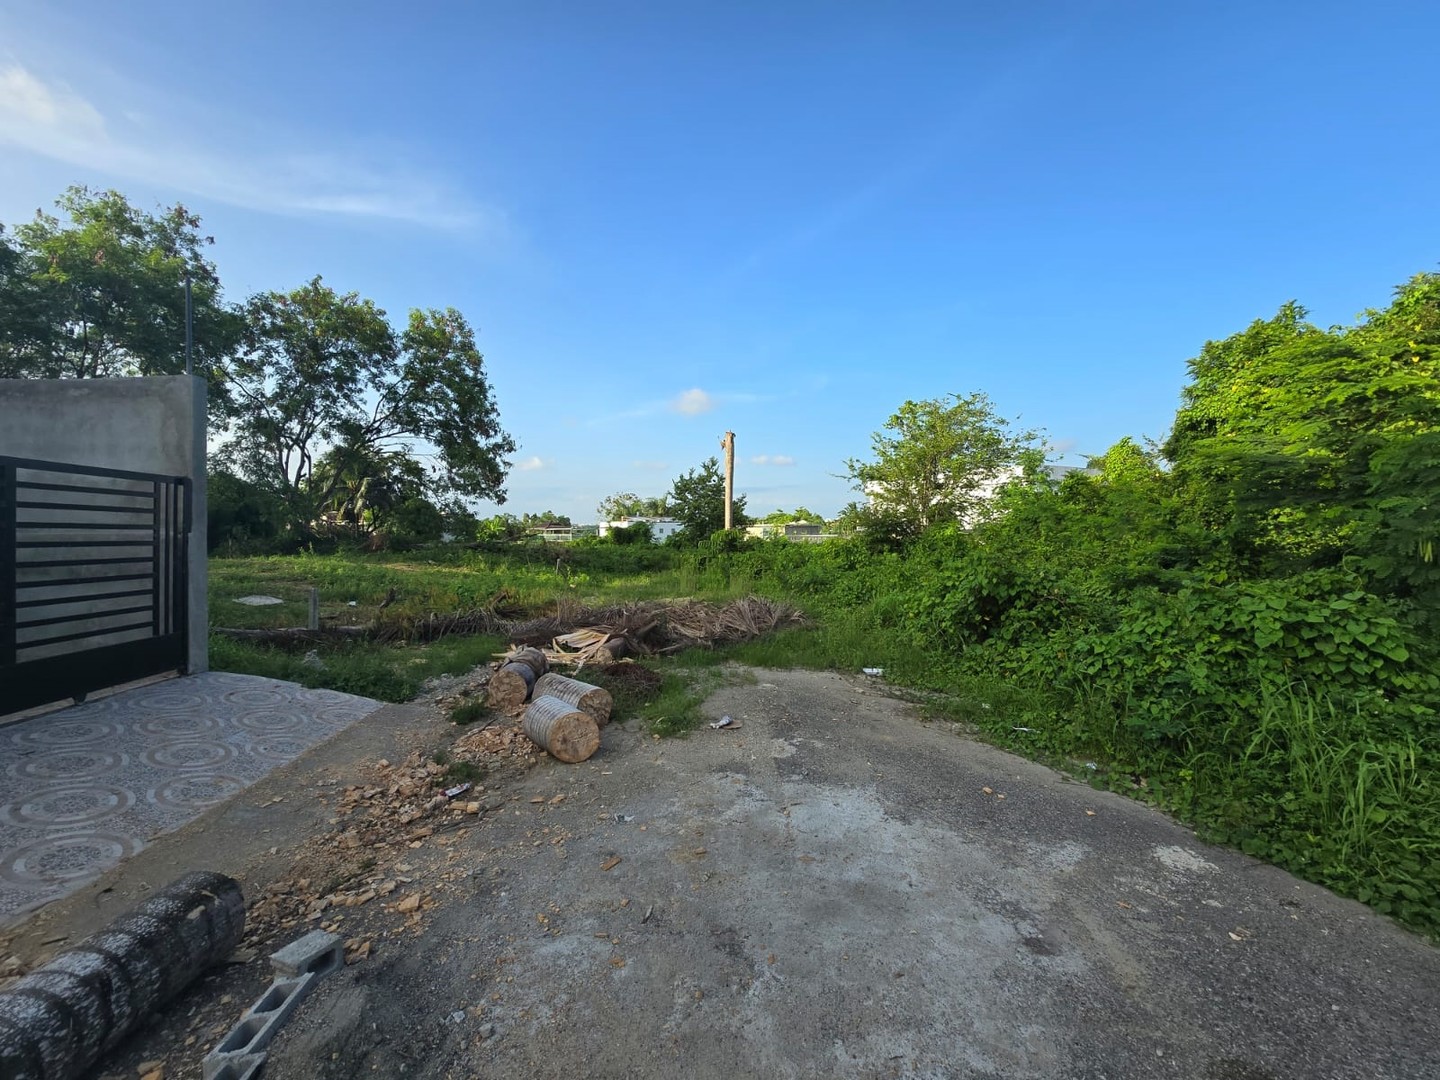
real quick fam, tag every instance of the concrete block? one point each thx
(258, 1026)
(317, 953)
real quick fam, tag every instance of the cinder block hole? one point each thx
(326, 962)
(242, 1035)
(275, 997)
(232, 1071)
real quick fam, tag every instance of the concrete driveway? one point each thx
(836, 889)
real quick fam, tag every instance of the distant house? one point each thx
(790, 530)
(562, 534)
(661, 528)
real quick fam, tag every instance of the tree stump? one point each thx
(565, 733)
(510, 687)
(592, 700)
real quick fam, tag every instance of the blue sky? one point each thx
(670, 219)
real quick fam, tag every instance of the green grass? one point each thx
(386, 673)
(444, 579)
(522, 579)
(675, 710)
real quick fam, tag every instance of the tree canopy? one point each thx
(800, 513)
(100, 291)
(625, 504)
(1305, 447)
(321, 372)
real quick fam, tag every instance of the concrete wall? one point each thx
(155, 425)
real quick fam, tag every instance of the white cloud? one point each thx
(693, 402)
(52, 120)
(530, 464)
(1061, 446)
(772, 459)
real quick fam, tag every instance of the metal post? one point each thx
(314, 622)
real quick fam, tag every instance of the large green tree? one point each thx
(697, 501)
(99, 290)
(1307, 447)
(625, 504)
(322, 371)
(936, 461)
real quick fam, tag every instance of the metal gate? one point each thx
(93, 579)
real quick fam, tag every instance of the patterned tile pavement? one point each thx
(84, 787)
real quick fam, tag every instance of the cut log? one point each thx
(563, 731)
(510, 687)
(592, 700)
(532, 658)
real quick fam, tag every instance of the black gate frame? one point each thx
(73, 674)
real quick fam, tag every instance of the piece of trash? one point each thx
(1091, 765)
(352, 603)
(1089, 813)
(1029, 729)
(873, 672)
(624, 819)
(723, 722)
(610, 863)
(457, 1017)
(458, 789)
(648, 912)
(988, 791)
(258, 601)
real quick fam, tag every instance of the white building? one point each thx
(661, 528)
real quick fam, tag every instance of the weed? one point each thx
(467, 712)
(464, 772)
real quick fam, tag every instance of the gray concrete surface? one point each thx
(830, 891)
(252, 837)
(155, 424)
(89, 785)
